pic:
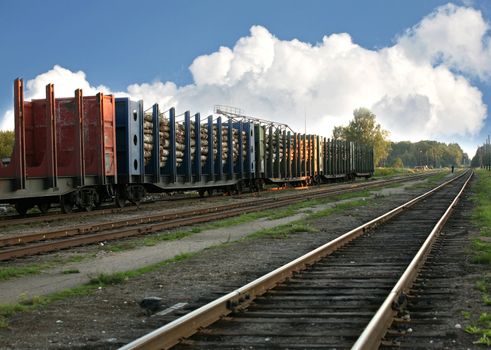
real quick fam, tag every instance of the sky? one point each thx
(423, 67)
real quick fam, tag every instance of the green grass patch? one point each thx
(12, 272)
(283, 231)
(388, 171)
(97, 282)
(482, 198)
(482, 252)
(119, 247)
(484, 340)
(340, 207)
(482, 285)
(7, 273)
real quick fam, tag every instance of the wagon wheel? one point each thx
(201, 193)
(97, 201)
(87, 206)
(238, 188)
(94, 202)
(22, 207)
(260, 185)
(210, 192)
(120, 200)
(43, 207)
(66, 204)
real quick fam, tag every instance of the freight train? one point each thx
(84, 150)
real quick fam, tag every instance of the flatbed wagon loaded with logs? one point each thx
(81, 151)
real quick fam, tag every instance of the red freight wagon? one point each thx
(64, 151)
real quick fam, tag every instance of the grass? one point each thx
(95, 283)
(481, 216)
(7, 273)
(12, 272)
(482, 199)
(337, 208)
(389, 171)
(283, 231)
(481, 252)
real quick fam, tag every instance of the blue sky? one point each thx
(118, 43)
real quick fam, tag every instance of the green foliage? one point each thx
(484, 340)
(364, 129)
(380, 172)
(430, 153)
(482, 198)
(11, 272)
(283, 231)
(482, 156)
(7, 139)
(398, 163)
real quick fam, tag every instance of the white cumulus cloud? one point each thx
(419, 87)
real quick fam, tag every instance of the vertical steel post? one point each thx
(80, 151)
(20, 135)
(240, 164)
(210, 164)
(51, 151)
(156, 156)
(171, 160)
(230, 146)
(219, 149)
(197, 147)
(187, 147)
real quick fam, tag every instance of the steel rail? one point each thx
(4, 221)
(374, 332)
(98, 227)
(87, 234)
(92, 237)
(184, 327)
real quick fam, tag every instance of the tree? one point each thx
(431, 153)
(7, 139)
(364, 129)
(398, 163)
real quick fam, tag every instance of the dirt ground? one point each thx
(112, 317)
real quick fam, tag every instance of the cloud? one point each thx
(419, 87)
(65, 81)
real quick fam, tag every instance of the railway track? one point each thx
(10, 220)
(344, 294)
(14, 246)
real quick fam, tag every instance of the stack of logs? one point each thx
(180, 141)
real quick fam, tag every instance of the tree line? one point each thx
(364, 128)
(426, 153)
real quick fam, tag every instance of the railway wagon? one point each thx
(64, 152)
(82, 151)
(160, 151)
